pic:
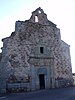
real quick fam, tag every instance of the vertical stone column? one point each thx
(52, 72)
(32, 74)
(47, 78)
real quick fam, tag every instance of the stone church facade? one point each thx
(34, 56)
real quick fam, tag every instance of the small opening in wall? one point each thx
(42, 50)
(39, 11)
(36, 18)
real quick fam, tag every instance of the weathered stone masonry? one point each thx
(34, 56)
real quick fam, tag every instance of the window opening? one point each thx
(36, 18)
(42, 50)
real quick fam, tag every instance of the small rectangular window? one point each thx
(42, 50)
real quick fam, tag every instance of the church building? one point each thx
(34, 57)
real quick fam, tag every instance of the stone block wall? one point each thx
(22, 49)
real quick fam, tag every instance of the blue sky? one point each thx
(61, 12)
